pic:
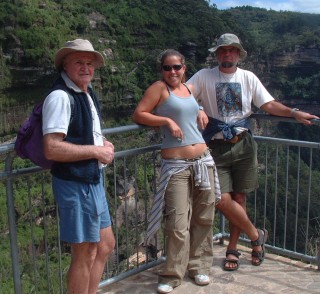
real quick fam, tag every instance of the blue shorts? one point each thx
(83, 210)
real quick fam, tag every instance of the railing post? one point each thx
(12, 227)
(222, 228)
(318, 253)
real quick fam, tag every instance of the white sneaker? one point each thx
(201, 280)
(164, 288)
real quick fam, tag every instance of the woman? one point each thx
(188, 182)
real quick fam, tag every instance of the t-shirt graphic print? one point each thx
(229, 99)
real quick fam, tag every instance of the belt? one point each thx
(234, 140)
(204, 154)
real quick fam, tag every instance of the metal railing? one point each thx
(33, 260)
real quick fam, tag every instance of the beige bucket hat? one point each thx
(77, 45)
(229, 40)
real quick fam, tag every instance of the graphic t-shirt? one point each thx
(229, 97)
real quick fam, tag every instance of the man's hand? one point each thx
(107, 154)
(304, 117)
(277, 108)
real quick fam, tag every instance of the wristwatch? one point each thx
(200, 107)
(293, 110)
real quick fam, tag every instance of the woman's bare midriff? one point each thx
(190, 151)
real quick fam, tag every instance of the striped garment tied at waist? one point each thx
(170, 167)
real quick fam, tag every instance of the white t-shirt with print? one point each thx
(229, 97)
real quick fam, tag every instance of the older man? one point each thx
(227, 93)
(73, 140)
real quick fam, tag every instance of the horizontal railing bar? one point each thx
(5, 148)
(20, 172)
(132, 272)
(123, 129)
(34, 169)
(285, 141)
(280, 118)
(135, 151)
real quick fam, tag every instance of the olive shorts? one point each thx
(237, 164)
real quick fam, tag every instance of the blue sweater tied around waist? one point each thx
(215, 126)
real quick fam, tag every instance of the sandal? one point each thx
(232, 261)
(263, 235)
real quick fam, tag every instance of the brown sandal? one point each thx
(262, 238)
(233, 261)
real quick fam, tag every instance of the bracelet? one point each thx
(293, 110)
(200, 107)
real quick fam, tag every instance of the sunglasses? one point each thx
(175, 67)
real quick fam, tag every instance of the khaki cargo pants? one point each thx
(188, 217)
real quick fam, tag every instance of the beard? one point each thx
(227, 64)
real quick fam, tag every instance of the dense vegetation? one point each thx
(131, 33)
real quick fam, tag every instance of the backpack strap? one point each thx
(71, 105)
(66, 89)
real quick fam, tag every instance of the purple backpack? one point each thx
(29, 142)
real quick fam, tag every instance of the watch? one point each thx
(293, 110)
(200, 107)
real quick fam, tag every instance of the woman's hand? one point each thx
(175, 129)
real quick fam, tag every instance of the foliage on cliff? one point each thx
(131, 34)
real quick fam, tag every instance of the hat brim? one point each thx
(242, 54)
(63, 52)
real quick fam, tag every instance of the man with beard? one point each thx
(226, 94)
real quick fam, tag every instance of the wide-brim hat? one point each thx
(77, 45)
(229, 40)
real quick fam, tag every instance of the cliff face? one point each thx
(303, 60)
(301, 69)
(301, 57)
(291, 76)
(131, 34)
(300, 64)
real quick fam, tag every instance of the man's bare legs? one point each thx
(105, 247)
(235, 231)
(233, 206)
(87, 263)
